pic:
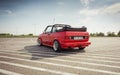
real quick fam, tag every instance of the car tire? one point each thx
(39, 41)
(56, 46)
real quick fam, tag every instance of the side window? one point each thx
(48, 30)
(56, 29)
(59, 28)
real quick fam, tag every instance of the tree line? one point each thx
(11, 35)
(101, 34)
(97, 34)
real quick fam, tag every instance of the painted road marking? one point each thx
(98, 57)
(9, 72)
(92, 55)
(88, 55)
(108, 61)
(106, 55)
(61, 65)
(36, 68)
(78, 62)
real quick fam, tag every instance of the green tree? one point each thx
(111, 34)
(91, 34)
(118, 34)
(100, 34)
(5, 35)
(30, 34)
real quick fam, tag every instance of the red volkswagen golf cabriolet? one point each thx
(62, 36)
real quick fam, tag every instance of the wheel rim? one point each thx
(55, 46)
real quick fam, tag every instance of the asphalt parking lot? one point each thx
(21, 56)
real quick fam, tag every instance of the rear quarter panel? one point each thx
(59, 36)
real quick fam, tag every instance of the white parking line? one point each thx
(9, 72)
(101, 55)
(84, 55)
(88, 55)
(61, 65)
(112, 52)
(77, 62)
(71, 57)
(105, 55)
(109, 61)
(36, 68)
(98, 55)
(91, 55)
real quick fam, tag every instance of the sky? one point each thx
(32, 16)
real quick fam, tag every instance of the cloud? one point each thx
(5, 12)
(86, 2)
(89, 12)
(88, 21)
(8, 11)
(60, 3)
(113, 9)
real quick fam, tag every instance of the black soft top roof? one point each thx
(61, 25)
(69, 28)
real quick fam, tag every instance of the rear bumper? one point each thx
(75, 44)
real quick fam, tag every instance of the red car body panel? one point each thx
(65, 39)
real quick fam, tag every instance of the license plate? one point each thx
(78, 38)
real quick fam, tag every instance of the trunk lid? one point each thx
(77, 36)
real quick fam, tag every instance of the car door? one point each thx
(47, 33)
(54, 34)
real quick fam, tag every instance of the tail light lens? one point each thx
(86, 37)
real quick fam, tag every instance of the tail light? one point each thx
(86, 37)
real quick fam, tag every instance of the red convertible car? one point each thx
(62, 36)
